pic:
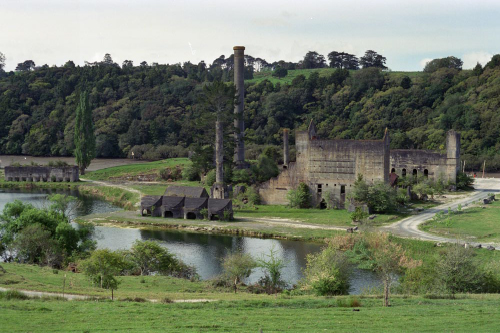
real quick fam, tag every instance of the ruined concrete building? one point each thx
(41, 174)
(333, 165)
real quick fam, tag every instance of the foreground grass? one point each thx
(472, 314)
(132, 170)
(476, 223)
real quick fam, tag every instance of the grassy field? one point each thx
(470, 314)
(229, 312)
(476, 224)
(330, 217)
(132, 170)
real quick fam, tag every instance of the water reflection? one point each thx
(203, 251)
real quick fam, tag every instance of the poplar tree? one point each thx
(84, 134)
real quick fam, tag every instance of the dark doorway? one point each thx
(168, 214)
(393, 170)
(426, 173)
(214, 217)
(146, 212)
(320, 188)
(414, 172)
(322, 204)
(404, 172)
(191, 216)
(342, 196)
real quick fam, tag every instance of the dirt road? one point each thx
(408, 227)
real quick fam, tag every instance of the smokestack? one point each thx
(239, 76)
(219, 159)
(286, 149)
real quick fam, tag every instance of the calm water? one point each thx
(200, 250)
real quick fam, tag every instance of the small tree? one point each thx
(85, 147)
(300, 197)
(150, 257)
(389, 259)
(238, 266)
(102, 267)
(327, 272)
(272, 266)
(457, 270)
(280, 72)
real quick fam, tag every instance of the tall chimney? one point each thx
(219, 168)
(239, 75)
(286, 150)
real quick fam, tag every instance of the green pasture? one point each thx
(468, 314)
(146, 168)
(477, 224)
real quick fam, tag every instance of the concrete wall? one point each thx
(333, 165)
(328, 166)
(42, 174)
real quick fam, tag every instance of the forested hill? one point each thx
(155, 110)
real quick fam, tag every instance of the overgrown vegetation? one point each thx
(42, 236)
(155, 111)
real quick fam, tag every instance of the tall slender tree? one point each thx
(84, 134)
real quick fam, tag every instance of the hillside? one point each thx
(155, 111)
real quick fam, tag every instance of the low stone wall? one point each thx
(41, 174)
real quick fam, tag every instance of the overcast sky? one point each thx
(407, 32)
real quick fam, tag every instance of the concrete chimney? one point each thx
(219, 157)
(239, 76)
(286, 149)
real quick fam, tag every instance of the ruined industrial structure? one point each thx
(239, 82)
(41, 174)
(333, 165)
(187, 203)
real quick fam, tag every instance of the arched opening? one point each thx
(191, 216)
(322, 204)
(414, 172)
(404, 173)
(168, 214)
(426, 173)
(393, 170)
(214, 217)
(145, 212)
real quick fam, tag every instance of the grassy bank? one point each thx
(132, 171)
(116, 195)
(472, 314)
(476, 224)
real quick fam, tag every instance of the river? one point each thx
(203, 251)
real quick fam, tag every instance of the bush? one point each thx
(358, 214)
(464, 181)
(380, 197)
(241, 176)
(57, 163)
(300, 197)
(265, 169)
(210, 178)
(457, 270)
(327, 272)
(174, 173)
(237, 266)
(190, 173)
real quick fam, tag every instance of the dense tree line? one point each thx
(156, 110)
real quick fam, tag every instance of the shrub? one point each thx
(210, 178)
(190, 173)
(358, 214)
(457, 270)
(57, 163)
(464, 181)
(241, 176)
(204, 213)
(265, 169)
(300, 197)
(380, 197)
(327, 272)
(237, 266)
